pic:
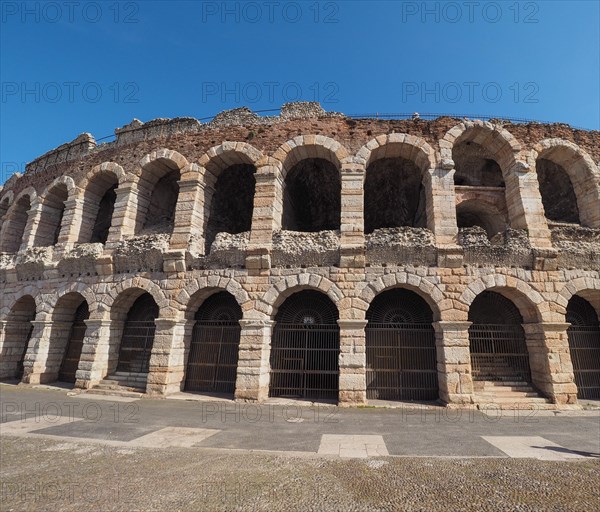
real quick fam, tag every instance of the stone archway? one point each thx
(305, 348)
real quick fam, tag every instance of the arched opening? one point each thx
(400, 346)
(50, 222)
(305, 348)
(66, 338)
(556, 189)
(394, 195)
(312, 196)
(475, 166)
(157, 198)
(17, 333)
(497, 340)
(475, 213)
(99, 206)
(138, 336)
(232, 201)
(13, 228)
(4, 205)
(213, 354)
(584, 346)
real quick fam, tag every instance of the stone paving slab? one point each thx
(36, 423)
(174, 437)
(534, 447)
(356, 446)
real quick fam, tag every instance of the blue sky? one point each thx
(76, 67)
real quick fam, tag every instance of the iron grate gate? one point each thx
(401, 362)
(584, 345)
(27, 330)
(70, 362)
(499, 352)
(136, 346)
(213, 357)
(304, 361)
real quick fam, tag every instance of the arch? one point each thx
(5, 203)
(582, 172)
(137, 336)
(52, 211)
(105, 168)
(212, 358)
(303, 147)
(503, 146)
(122, 295)
(81, 289)
(529, 302)
(400, 347)
(9, 197)
(218, 158)
(307, 174)
(398, 145)
(17, 334)
(66, 337)
(305, 347)
(158, 191)
(272, 299)
(427, 290)
(497, 340)
(586, 287)
(16, 221)
(229, 187)
(99, 198)
(394, 192)
(198, 290)
(584, 346)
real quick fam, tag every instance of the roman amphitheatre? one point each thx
(309, 255)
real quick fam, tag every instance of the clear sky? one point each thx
(69, 67)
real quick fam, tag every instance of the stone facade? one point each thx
(48, 263)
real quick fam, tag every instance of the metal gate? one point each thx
(305, 348)
(400, 348)
(584, 345)
(401, 362)
(497, 340)
(499, 353)
(70, 362)
(138, 336)
(136, 345)
(28, 329)
(213, 357)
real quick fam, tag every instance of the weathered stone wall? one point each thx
(536, 264)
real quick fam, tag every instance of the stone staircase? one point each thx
(508, 394)
(127, 384)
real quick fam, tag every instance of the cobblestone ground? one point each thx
(40, 474)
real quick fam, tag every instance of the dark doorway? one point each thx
(305, 348)
(497, 340)
(401, 353)
(70, 362)
(138, 336)
(213, 357)
(584, 345)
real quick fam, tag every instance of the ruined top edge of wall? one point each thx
(137, 131)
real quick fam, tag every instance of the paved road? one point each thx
(302, 430)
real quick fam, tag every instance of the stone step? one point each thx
(114, 392)
(516, 395)
(127, 379)
(118, 389)
(522, 406)
(131, 374)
